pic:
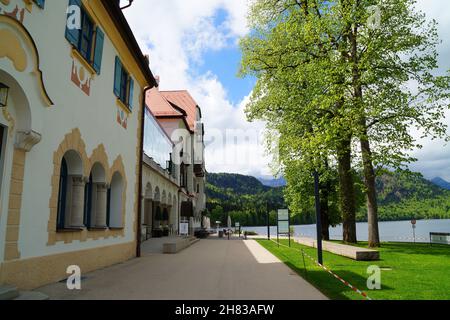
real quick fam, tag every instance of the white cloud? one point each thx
(176, 33)
(434, 157)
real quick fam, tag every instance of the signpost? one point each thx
(414, 225)
(184, 228)
(237, 226)
(284, 224)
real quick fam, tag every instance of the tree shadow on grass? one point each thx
(332, 287)
(418, 248)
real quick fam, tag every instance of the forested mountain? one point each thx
(401, 196)
(404, 196)
(245, 198)
(237, 183)
(396, 187)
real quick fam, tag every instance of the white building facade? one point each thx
(181, 118)
(70, 136)
(161, 207)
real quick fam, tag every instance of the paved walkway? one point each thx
(213, 269)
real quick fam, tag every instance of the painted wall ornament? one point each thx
(81, 77)
(18, 12)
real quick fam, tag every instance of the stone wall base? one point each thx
(29, 274)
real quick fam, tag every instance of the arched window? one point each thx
(96, 199)
(116, 202)
(165, 215)
(183, 175)
(157, 196)
(71, 192)
(158, 214)
(164, 197)
(62, 195)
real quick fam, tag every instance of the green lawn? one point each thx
(417, 271)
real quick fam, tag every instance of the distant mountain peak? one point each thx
(273, 182)
(441, 183)
(438, 179)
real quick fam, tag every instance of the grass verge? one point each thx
(409, 271)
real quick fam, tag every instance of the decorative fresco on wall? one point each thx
(81, 77)
(18, 12)
(18, 46)
(122, 117)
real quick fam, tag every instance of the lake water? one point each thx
(400, 231)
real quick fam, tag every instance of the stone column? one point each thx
(150, 213)
(143, 226)
(143, 212)
(101, 205)
(191, 226)
(77, 204)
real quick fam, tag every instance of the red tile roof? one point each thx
(173, 104)
(159, 106)
(183, 100)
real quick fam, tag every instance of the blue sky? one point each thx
(225, 64)
(193, 45)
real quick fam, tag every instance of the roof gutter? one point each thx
(130, 2)
(141, 173)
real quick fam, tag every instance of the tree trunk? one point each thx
(371, 193)
(369, 172)
(347, 192)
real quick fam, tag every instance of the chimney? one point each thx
(147, 58)
(158, 79)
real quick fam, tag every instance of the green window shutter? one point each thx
(130, 94)
(73, 35)
(98, 53)
(117, 77)
(40, 3)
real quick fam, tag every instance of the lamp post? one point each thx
(4, 91)
(318, 217)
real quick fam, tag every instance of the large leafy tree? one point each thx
(390, 53)
(299, 90)
(332, 72)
